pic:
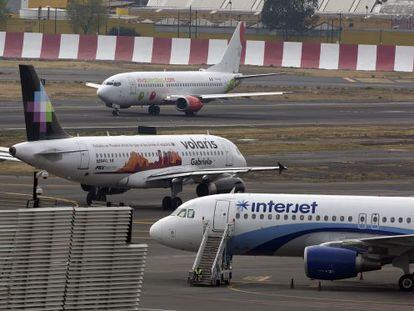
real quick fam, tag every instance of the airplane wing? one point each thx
(382, 246)
(5, 155)
(93, 85)
(225, 96)
(215, 171)
(233, 95)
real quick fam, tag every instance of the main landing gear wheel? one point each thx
(89, 198)
(154, 110)
(406, 283)
(92, 196)
(115, 112)
(169, 203)
(190, 113)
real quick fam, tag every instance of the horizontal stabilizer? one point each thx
(6, 156)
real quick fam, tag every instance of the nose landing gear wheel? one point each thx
(115, 113)
(406, 283)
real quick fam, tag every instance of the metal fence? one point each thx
(69, 258)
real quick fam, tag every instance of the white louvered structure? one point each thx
(69, 259)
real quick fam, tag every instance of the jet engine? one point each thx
(222, 185)
(333, 263)
(189, 104)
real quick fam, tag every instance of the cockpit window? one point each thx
(182, 213)
(114, 83)
(190, 213)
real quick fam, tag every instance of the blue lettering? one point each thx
(258, 205)
(304, 208)
(270, 204)
(279, 207)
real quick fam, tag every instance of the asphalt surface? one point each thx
(259, 283)
(75, 114)
(283, 80)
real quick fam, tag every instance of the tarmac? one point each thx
(259, 283)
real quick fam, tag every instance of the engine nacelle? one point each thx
(222, 185)
(188, 104)
(333, 263)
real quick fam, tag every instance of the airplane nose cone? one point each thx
(102, 94)
(156, 231)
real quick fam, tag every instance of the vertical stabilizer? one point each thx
(41, 121)
(231, 58)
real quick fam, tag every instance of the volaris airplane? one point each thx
(187, 90)
(105, 165)
(338, 236)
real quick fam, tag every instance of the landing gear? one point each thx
(173, 201)
(94, 195)
(406, 282)
(169, 203)
(115, 109)
(190, 113)
(154, 110)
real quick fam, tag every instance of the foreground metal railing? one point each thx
(69, 258)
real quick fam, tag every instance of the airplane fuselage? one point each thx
(152, 88)
(127, 161)
(284, 224)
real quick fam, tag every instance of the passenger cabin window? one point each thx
(182, 213)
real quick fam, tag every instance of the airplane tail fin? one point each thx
(41, 120)
(231, 59)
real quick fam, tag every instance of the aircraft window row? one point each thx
(204, 84)
(200, 153)
(325, 218)
(294, 217)
(154, 154)
(184, 213)
(393, 220)
(150, 84)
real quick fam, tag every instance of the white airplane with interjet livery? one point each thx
(338, 236)
(106, 165)
(187, 90)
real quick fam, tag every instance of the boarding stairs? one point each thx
(212, 258)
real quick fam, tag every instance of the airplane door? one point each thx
(362, 221)
(375, 221)
(132, 87)
(221, 215)
(229, 158)
(84, 157)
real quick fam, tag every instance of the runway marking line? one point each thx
(143, 222)
(349, 80)
(233, 288)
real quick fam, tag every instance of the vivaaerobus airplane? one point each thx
(107, 165)
(187, 90)
(338, 236)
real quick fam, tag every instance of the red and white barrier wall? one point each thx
(200, 51)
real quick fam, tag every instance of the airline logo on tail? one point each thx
(42, 109)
